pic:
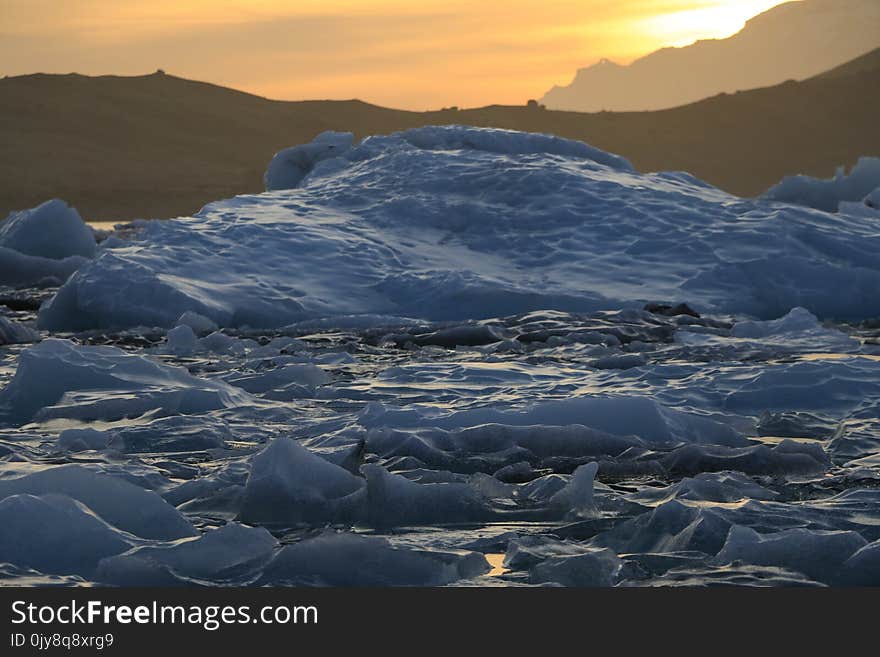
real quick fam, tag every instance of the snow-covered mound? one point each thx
(44, 244)
(455, 223)
(833, 193)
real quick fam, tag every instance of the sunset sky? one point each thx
(399, 53)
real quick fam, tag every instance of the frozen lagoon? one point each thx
(434, 350)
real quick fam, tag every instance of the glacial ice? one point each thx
(56, 378)
(55, 534)
(288, 484)
(337, 559)
(43, 245)
(233, 552)
(430, 224)
(394, 500)
(448, 344)
(51, 230)
(595, 567)
(830, 194)
(123, 505)
(20, 270)
(636, 417)
(290, 166)
(817, 554)
(12, 332)
(798, 321)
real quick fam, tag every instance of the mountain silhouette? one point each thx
(160, 146)
(794, 40)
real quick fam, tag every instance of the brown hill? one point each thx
(161, 146)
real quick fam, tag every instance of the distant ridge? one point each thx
(864, 64)
(161, 146)
(794, 40)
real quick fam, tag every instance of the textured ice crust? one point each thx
(451, 223)
(425, 360)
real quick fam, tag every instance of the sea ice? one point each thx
(289, 485)
(51, 230)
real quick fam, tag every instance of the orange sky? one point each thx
(414, 54)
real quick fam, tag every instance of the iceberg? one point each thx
(51, 230)
(452, 223)
(831, 194)
(56, 534)
(424, 352)
(124, 505)
(43, 245)
(820, 555)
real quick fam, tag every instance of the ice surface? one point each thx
(19, 270)
(394, 500)
(577, 495)
(797, 321)
(121, 504)
(50, 373)
(12, 332)
(55, 534)
(334, 559)
(725, 487)
(445, 341)
(466, 223)
(167, 435)
(51, 230)
(290, 166)
(43, 246)
(828, 194)
(234, 552)
(621, 416)
(817, 554)
(288, 484)
(198, 323)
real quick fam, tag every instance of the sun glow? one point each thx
(414, 55)
(715, 20)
